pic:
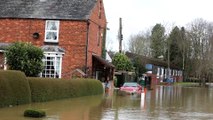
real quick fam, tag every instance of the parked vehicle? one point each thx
(131, 88)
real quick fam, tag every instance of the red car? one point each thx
(131, 87)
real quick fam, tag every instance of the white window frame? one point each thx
(47, 31)
(54, 56)
(5, 60)
(162, 71)
(5, 63)
(158, 71)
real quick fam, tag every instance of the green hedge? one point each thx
(46, 89)
(14, 88)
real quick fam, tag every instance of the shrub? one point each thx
(25, 57)
(46, 89)
(122, 62)
(14, 88)
(34, 113)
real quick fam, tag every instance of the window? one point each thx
(52, 31)
(52, 65)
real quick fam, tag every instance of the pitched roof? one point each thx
(103, 62)
(147, 60)
(47, 9)
(52, 48)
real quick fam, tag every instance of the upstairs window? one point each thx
(52, 31)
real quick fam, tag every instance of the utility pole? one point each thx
(120, 35)
(168, 69)
(168, 59)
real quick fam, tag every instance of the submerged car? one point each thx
(131, 87)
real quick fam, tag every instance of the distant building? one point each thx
(157, 70)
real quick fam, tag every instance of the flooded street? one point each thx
(161, 103)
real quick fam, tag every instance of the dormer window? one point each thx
(52, 31)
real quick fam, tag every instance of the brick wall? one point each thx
(12, 30)
(96, 30)
(72, 38)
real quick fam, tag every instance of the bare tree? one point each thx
(184, 47)
(200, 35)
(140, 44)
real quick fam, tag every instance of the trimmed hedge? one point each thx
(14, 88)
(47, 89)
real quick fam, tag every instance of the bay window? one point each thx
(52, 65)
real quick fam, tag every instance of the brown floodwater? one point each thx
(161, 103)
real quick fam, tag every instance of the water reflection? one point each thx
(69, 109)
(163, 103)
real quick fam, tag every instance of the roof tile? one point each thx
(47, 9)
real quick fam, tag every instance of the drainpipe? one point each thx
(87, 43)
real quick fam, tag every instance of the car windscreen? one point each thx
(130, 85)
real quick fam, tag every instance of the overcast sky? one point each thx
(140, 15)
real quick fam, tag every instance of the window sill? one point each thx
(50, 41)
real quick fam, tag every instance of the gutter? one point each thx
(87, 43)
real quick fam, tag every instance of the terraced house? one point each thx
(71, 33)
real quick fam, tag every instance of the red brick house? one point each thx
(71, 33)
